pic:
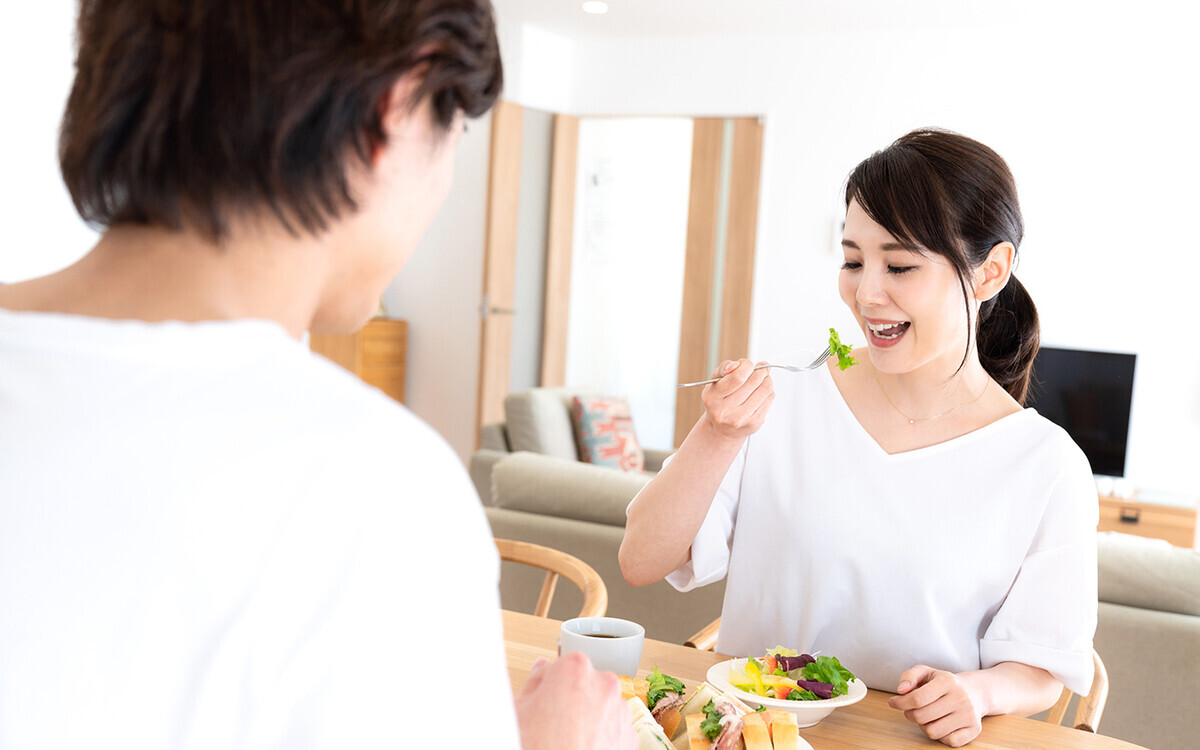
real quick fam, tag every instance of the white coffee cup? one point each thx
(613, 644)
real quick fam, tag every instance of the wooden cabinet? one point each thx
(1175, 523)
(376, 353)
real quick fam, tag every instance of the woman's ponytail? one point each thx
(1008, 337)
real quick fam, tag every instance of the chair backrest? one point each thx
(706, 638)
(1091, 706)
(556, 564)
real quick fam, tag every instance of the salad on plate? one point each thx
(786, 674)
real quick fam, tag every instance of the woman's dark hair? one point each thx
(189, 112)
(947, 194)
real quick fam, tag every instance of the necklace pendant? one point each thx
(912, 421)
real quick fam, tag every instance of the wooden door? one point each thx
(560, 237)
(499, 264)
(719, 269)
(718, 281)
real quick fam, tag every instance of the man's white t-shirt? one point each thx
(212, 538)
(959, 556)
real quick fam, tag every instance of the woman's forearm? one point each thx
(1013, 688)
(666, 515)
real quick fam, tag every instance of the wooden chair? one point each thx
(1091, 706)
(706, 638)
(556, 564)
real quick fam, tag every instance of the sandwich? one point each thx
(713, 720)
(650, 734)
(664, 698)
(660, 694)
(704, 693)
(774, 729)
(785, 735)
(766, 730)
(755, 734)
(717, 721)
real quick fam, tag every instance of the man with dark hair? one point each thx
(210, 537)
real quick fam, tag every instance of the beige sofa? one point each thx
(1148, 635)
(537, 420)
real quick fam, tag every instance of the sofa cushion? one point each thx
(539, 420)
(1148, 573)
(604, 427)
(567, 489)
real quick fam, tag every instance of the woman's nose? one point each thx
(870, 288)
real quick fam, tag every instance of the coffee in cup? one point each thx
(613, 644)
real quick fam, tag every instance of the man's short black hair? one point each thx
(191, 112)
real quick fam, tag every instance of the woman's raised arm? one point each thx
(666, 515)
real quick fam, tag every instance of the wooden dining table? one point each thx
(869, 724)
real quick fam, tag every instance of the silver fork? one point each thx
(790, 368)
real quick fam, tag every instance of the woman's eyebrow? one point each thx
(885, 246)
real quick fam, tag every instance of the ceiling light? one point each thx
(595, 6)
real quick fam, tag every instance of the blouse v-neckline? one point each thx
(856, 426)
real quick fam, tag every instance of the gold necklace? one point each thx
(912, 420)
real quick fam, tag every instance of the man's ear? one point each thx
(396, 108)
(993, 275)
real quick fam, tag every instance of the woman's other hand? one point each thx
(941, 703)
(737, 404)
(568, 705)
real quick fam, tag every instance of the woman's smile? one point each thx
(885, 333)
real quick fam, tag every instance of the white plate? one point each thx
(807, 713)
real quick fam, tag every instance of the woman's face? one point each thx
(908, 303)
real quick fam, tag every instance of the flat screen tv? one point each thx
(1089, 394)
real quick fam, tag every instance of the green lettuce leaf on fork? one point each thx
(840, 350)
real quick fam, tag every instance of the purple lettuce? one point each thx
(822, 689)
(793, 662)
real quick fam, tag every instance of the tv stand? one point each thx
(1146, 514)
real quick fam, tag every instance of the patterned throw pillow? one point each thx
(604, 428)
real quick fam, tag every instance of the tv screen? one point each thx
(1088, 394)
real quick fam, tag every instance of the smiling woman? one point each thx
(899, 462)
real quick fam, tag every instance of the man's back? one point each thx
(208, 538)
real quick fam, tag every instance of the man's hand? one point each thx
(568, 705)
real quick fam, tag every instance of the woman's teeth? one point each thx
(888, 330)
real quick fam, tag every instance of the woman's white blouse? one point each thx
(958, 556)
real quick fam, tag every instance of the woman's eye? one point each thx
(901, 269)
(851, 265)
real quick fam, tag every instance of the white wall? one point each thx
(42, 232)
(438, 293)
(533, 208)
(1094, 116)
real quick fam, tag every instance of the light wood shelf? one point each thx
(1175, 523)
(377, 353)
